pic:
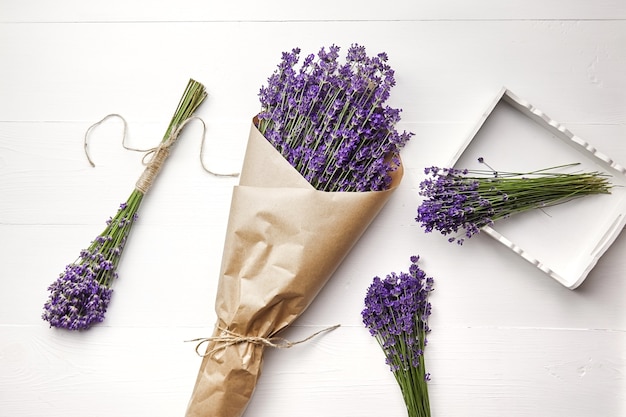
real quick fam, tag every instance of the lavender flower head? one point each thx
(453, 203)
(330, 121)
(396, 313)
(81, 294)
(76, 300)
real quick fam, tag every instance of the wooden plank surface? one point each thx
(506, 340)
(323, 10)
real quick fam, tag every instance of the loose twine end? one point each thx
(228, 338)
(157, 155)
(98, 123)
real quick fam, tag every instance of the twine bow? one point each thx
(228, 338)
(157, 155)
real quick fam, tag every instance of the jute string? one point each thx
(157, 155)
(228, 338)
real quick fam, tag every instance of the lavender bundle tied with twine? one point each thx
(79, 297)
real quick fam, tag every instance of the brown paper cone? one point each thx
(283, 242)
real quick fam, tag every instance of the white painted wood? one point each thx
(322, 10)
(506, 340)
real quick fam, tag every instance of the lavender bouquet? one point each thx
(467, 200)
(80, 295)
(396, 314)
(321, 162)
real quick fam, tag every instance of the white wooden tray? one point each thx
(564, 241)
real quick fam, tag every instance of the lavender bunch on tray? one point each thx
(330, 121)
(467, 200)
(396, 314)
(79, 297)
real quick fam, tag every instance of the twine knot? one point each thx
(158, 155)
(228, 338)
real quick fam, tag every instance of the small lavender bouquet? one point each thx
(80, 295)
(467, 200)
(396, 314)
(321, 162)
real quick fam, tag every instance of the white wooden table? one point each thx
(506, 339)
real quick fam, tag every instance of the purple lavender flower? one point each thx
(80, 295)
(396, 314)
(453, 202)
(462, 202)
(330, 121)
(77, 300)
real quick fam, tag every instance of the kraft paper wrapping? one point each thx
(284, 240)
